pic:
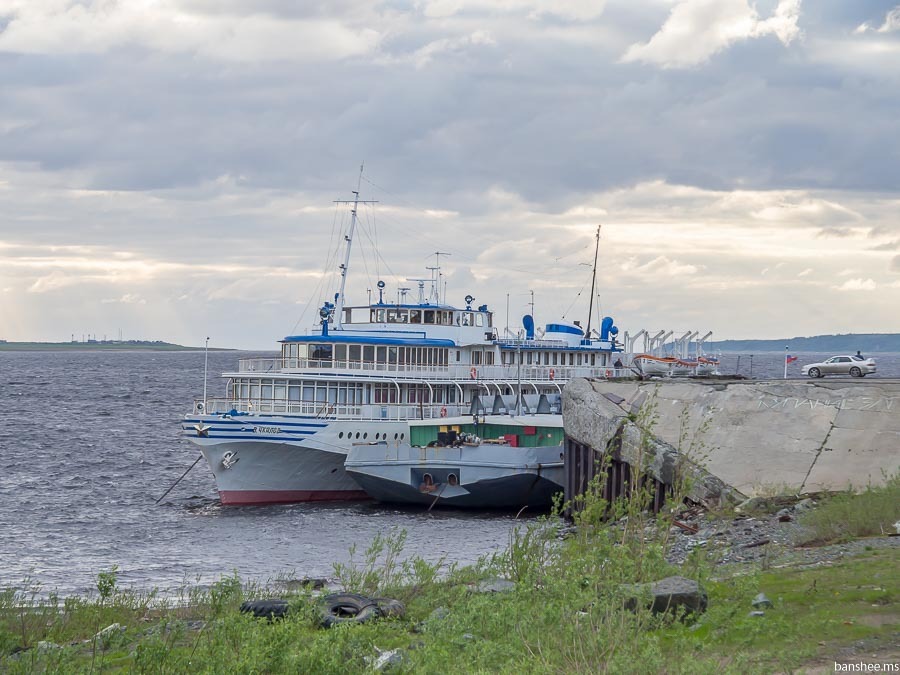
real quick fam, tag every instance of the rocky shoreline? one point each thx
(753, 535)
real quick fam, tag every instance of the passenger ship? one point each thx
(284, 429)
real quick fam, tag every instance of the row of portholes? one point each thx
(378, 436)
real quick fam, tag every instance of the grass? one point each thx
(849, 515)
(564, 615)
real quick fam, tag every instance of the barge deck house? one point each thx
(283, 430)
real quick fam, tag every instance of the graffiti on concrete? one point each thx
(880, 404)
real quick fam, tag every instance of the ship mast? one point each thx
(348, 238)
(587, 333)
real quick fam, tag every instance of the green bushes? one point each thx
(848, 515)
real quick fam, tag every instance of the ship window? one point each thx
(280, 392)
(355, 352)
(571, 359)
(555, 359)
(457, 356)
(593, 359)
(294, 392)
(340, 352)
(302, 351)
(254, 391)
(321, 352)
(392, 356)
(489, 358)
(429, 316)
(368, 353)
(401, 436)
(415, 316)
(476, 358)
(381, 355)
(479, 319)
(528, 358)
(309, 392)
(348, 318)
(341, 435)
(490, 320)
(245, 390)
(377, 316)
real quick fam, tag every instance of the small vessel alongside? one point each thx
(488, 461)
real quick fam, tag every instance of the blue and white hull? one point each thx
(280, 459)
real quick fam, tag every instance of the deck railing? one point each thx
(330, 411)
(456, 372)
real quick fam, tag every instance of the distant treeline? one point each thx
(849, 343)
(109, 345)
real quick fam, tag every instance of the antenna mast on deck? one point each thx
(436, 278)
(587, 333)
(348, 238)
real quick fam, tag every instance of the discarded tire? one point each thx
(390, 608)
(269, 609)
(341, 608)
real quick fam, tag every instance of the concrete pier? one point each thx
(758, 437)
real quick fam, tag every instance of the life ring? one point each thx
(552, 373)
(609, 373)
(443, 412)
(473, 372)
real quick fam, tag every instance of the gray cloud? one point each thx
(497, 131)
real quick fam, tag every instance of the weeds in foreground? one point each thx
(849, 515)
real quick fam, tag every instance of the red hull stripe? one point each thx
(246, 497)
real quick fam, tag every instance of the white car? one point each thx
(855, 366)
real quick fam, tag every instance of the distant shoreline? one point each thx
(139, 345)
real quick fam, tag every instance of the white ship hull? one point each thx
(285, 459)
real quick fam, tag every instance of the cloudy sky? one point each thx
(168, 167)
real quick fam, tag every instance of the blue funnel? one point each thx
(528, 322)
(607, 328)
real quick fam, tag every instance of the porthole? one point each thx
(365, 435)
(341, 435)
(401, 436)
(357, 434)
(396, 436)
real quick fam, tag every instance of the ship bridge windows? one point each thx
(415, 316)
(372, 357)
(324, 353)
(397, 316)
(428, 316)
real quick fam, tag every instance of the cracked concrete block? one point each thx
(754, 436)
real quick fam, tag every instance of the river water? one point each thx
(90, 440)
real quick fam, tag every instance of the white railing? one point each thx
(499, 373)
(331, 411)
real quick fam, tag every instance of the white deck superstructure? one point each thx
(285, 425)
